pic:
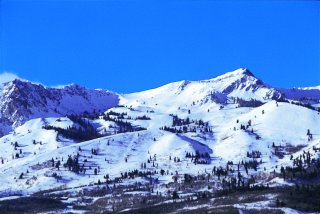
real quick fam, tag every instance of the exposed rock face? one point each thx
(21, 101)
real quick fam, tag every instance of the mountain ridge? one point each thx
(21, 100)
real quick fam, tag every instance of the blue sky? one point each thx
(128, 45)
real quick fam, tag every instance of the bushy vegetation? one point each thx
(31, 205)
(79, 134)
(180, 126)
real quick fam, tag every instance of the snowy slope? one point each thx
(272, 126)
(31, 107)
(224, 145)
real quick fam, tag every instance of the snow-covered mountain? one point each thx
(21, 101)
(230, 128)
(240, 83)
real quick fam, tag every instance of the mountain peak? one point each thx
(237, 73)
(247, 72)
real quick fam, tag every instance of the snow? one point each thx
(262, 205)
(281, 123)
(184, 93)
(225, 144)
(310, 88)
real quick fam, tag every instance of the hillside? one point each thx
(228, 134)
